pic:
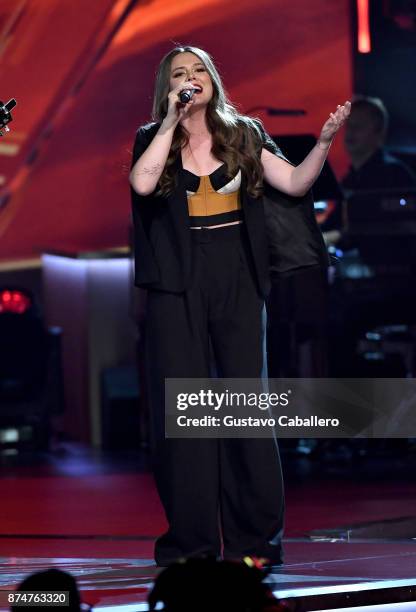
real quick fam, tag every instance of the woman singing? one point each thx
(201, 251)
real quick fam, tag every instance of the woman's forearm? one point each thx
(148, 168)
(306, 173)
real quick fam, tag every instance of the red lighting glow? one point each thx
(364, 41)
(14, 301)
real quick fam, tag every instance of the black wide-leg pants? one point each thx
(221, 496)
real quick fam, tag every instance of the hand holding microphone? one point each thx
(179, 102)
(186, 94)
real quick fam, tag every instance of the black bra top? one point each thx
(217, 179)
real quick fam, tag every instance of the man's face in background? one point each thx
(362, 132)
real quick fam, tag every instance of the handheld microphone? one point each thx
(5, 114)
(186, 95)
(8, 106)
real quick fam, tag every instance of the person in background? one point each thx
(372, 166)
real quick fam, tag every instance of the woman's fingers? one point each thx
(344, 110)
(341, 113)
(182, 86)
(174, 94)
(185, 107)
(176, 108)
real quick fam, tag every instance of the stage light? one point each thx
(373, 336)
(14, 301)
(324, 209)
(9, 435)
(364, 40)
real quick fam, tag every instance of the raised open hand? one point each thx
(332, 125)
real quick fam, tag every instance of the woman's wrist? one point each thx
(168, 125)
(324, 146)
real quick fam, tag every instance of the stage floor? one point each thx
(318, 575)
(350, 537)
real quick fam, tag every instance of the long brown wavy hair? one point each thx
(237, 139)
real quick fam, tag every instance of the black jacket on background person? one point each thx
(282, 230)
(380, 171)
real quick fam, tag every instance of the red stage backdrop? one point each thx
(83, 78)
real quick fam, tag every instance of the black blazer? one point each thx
(282, 230)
